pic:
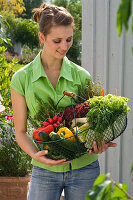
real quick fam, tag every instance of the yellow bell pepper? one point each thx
(65, 133)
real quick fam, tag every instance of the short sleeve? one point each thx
(85, 77)
(18, 82)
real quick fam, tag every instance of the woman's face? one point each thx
(58, 41)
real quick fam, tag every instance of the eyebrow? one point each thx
(61, 38)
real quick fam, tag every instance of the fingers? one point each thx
(104, 146)
(40, 157)
(111, 144)
(42, 153)
(95, 149)
(99, 150)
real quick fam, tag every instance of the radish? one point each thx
(55, 118)
(45, 123)
(55, 125)
(50, 120)
(60, 119)
(57, 122)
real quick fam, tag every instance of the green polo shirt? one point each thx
(32, 79)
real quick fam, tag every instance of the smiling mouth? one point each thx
(62, 53)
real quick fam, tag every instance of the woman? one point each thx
(48, 76)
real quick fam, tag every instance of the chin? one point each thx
(60, 56)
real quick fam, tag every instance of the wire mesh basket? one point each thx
(64, 148)
(112, 132)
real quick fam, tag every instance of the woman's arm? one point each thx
(24, 141)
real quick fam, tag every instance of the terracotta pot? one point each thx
(14, 188)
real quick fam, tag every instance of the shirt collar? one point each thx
(38, 70)
(66, 69)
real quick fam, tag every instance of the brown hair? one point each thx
(51, 15)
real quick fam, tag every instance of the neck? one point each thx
(50, 63)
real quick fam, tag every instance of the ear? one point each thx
(41, 37)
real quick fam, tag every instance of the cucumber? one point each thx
(56, 151)
(44, 136)
(75, 147)
(59, 152)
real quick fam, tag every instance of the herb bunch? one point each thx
(105, 110)
(89, 90)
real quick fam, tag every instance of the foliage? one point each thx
(23, 59)
(3, 39)
(21, 30)
(123, 15)
(13, 160)
(90, 89)
(12, 6)
(63, 3)
(104, 188)
(44, 110)
(27, 33)
(29, 5)
(132, 169)
(105, 110)
(6, 73)
(75, 8)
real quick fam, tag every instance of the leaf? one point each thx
(100, 179)
(123, 14)
(132, 168)
(100, 191)
(132, 23)
(117, 192)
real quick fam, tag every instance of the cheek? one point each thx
(70, 44)
(51, 46)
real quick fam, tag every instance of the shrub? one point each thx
(22, 59)
(21, 30)
(6, 72)
(13, 160)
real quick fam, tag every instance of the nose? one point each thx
(64, 46)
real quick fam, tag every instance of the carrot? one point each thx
(102, 92)
(86, 124)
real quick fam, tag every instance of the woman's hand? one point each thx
(40, 157)
(102, 148)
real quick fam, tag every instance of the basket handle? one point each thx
(70, 94)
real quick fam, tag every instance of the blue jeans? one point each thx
(48, 185)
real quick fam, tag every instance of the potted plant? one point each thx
(15, 165)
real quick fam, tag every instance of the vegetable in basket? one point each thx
(107, 118)
(105, 110)
(66, 133)
(95, 120)
(47, 129)
(68, 144)
(55, 150)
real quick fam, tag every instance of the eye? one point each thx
(57, 41)
(69, 40)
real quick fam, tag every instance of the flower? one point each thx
(9, 117)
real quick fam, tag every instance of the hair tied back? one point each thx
(38, 11)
